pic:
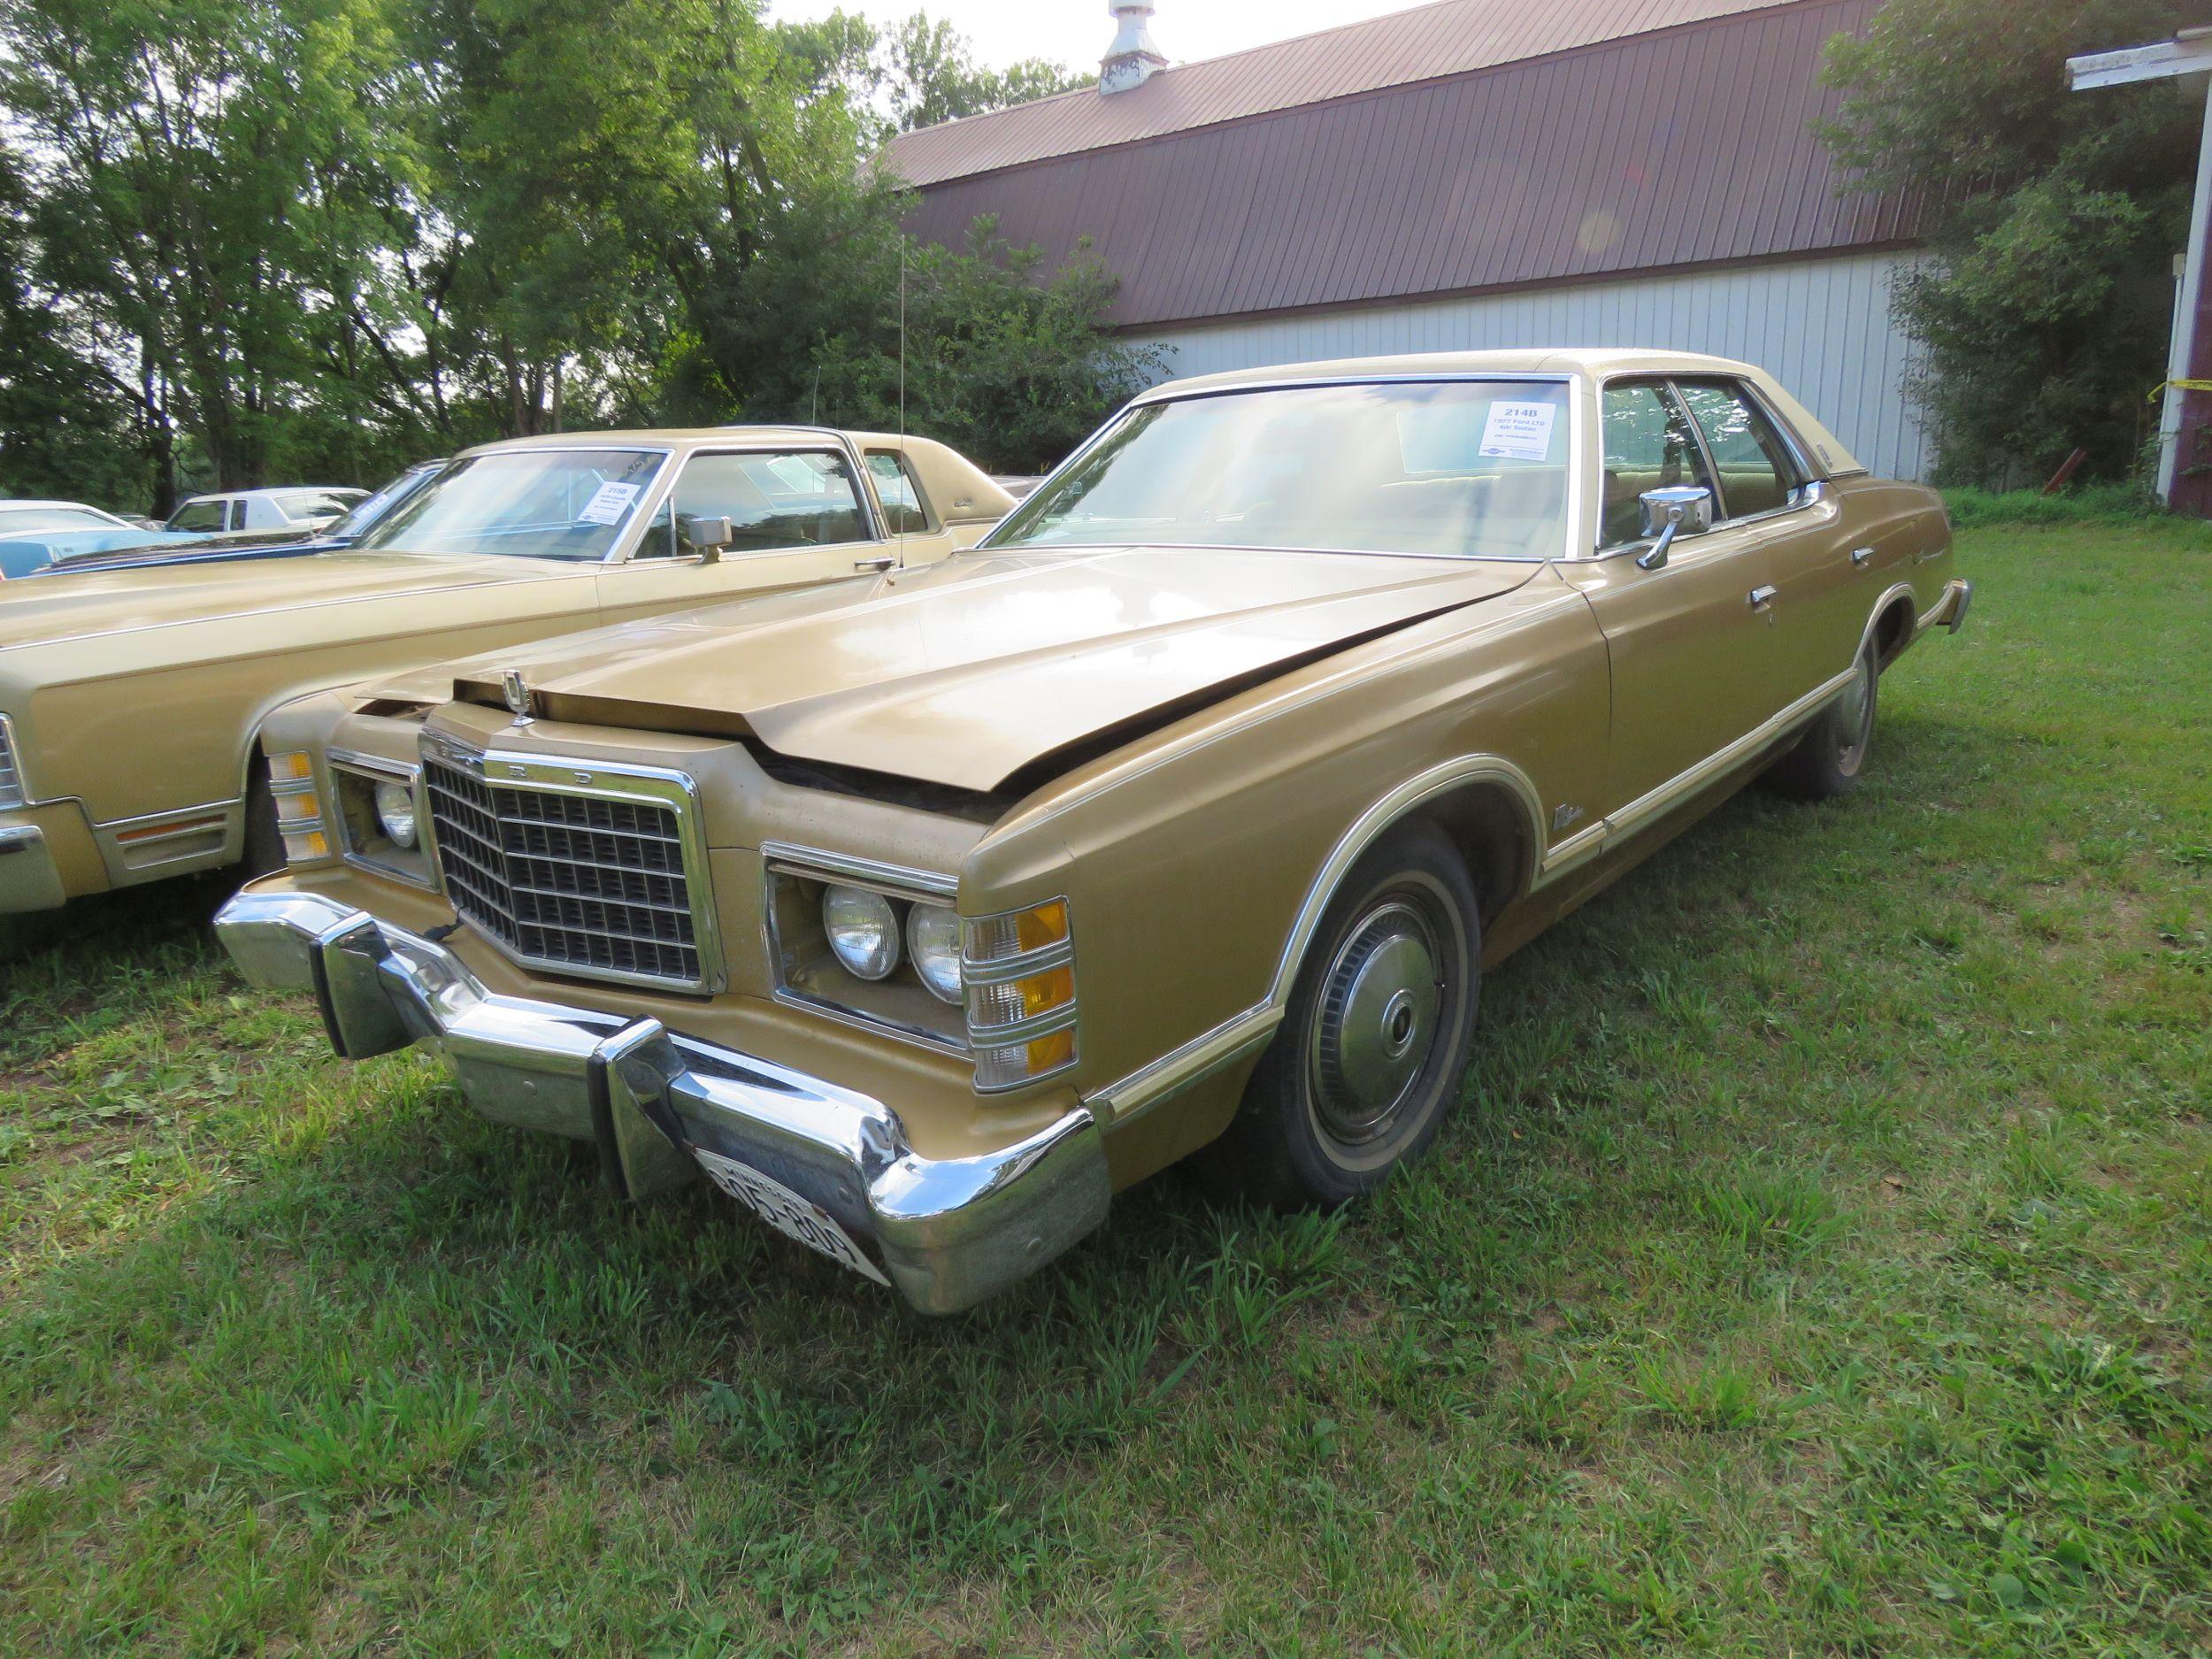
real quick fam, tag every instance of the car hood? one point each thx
(62, 605)
(964, 672)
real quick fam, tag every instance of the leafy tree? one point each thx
(929, 75)
(243, 241)
(2052, 218)
(205, 186)
(69, 425)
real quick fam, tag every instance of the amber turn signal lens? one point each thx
(1049, 1054)
(294, 765)
(1017, 933)
(1014, 1064)
(1014, 1000)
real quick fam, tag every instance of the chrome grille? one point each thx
(591, 882)
(10, 780)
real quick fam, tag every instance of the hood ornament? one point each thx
(518, 695)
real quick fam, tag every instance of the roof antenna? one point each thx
(899, 536)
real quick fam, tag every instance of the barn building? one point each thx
(1469, 174)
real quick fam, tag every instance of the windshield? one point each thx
(31, 520)
(367, 512)
(1470, 468)
(314, 504)
(530, 504)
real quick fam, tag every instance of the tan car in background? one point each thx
(1185, 813)
(131, 701)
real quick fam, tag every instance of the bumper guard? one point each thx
(797, 1151)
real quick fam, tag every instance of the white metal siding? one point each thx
(1821, 327)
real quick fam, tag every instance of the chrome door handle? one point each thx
(1759, 596)
(881, 562)
(1862, 557)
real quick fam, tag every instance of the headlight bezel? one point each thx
(1036, 968)
(794, 880)
(362, 838)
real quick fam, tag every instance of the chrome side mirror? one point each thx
(1675, 509)
(706, 537)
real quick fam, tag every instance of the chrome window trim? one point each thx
(556, 774)
(901, 881)
(1577, 439)
(625, 552)
(376, 766)
(1814, 483)
(932, 522)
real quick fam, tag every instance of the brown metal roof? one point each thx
(1448, 37)
(1683, 148)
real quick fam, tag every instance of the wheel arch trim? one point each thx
(1242, 1033)
(1891, 596)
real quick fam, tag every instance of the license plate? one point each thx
(787, 1213)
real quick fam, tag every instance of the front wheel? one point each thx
(1829, 758)
(1371, 1050)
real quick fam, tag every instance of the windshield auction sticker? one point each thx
(607, 504)
(1518, 432)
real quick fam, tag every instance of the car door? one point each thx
(798, 515)
(1823, 594)
(1691, 643)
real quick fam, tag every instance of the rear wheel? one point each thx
(1828, 759)
(1371, 1050)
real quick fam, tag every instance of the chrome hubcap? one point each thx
(1377, 1022)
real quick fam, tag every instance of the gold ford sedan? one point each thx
(131, 701)
(1183, 815)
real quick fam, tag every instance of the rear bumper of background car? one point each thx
(827, 1166)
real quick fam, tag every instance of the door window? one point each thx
(1647, 444)
(905, 512)
(774, 501)
(1758, 472)
(198, 515)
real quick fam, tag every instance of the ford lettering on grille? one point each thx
(591, 882)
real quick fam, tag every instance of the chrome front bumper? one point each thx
(662, 1107)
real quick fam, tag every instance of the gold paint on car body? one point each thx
(136, 697)
(1561, 718)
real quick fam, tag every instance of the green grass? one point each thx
(2113, 503)
(1821, 1262)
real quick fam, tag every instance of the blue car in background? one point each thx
(33, 533)
(142, 548)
